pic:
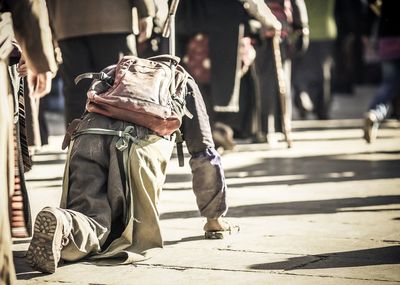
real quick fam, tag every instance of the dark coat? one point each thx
(220, 20)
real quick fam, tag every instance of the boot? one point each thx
(50, 235)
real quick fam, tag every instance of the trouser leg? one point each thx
(106, 216)
(82, 54)
(388, 90)
(209, 184)
(7, 272)
(148, 164)
(76, 60)
(93, 187)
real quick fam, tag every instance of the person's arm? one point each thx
(260, 11)
(300, 25)
(146, 12)
(32, 31)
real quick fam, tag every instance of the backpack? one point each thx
(147, 92)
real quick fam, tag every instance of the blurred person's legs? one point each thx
(87, 54)
(270, 110)
(312, 80)
(380, 105)
(268, 88)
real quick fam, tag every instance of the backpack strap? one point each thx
(165, 57)
(95, 75)
(179, 147)
(126, 135)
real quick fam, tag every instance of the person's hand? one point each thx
(275, 30)
(39, 84)
(22, 67)
(302, 41)
(145, 29)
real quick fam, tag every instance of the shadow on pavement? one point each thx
(303, 207)
(355, 258)
(314, 169)
(23, 270)
(186, 239)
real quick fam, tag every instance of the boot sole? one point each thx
(42, 254)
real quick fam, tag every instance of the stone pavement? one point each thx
(326, 211)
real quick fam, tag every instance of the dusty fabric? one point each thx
(7, 272)
(123, 226)
(110, 220)
(208, 177)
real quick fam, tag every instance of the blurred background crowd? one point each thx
(251, 86)
(327, 48)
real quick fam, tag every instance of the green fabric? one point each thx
(321, 19)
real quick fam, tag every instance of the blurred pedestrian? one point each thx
(348, 70)
(209, 36)
(29, 20)
(389, 51)
(92, 35)
(312, 71)
(292, 15)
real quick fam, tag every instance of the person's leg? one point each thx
(324, 97)
(83, 227)
(107, 49)
(87, 54)
(95, 187)
(76, 60)
(266, 72)
(304, 70)
(148, 164)
(7, 271)
(379, 107)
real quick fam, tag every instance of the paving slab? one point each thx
(326, 211)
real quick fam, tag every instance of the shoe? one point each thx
(371, 125)
(306, 102)
(223, 136)
(225, 229)
(259, 138)
(48, 239)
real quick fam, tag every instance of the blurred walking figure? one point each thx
(29, 20)
(213, 41)
(92, 35)
(292, 14)
(389, 51)
(312, 71)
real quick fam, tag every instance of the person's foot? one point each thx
(306, 102)
(223, 137)
(259, 138)
(218, 228)
(371, 125)
(49, 237)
